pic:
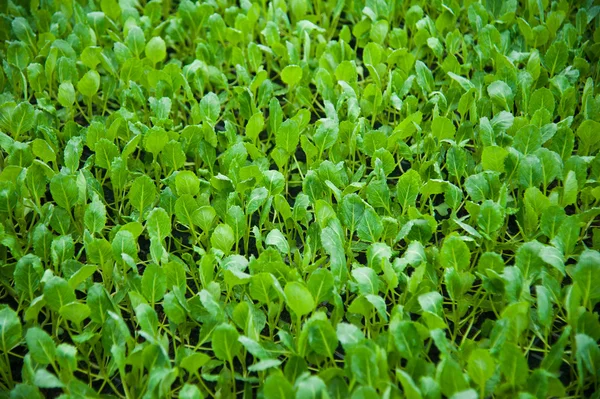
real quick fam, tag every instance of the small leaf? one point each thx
(142, 193)
(158, 224)
(277, 239)
(298, 298)
(95, 215)
(291, 75)
(225, 342)
(10, 329)
(41, 346)
(222, 238)
(156, 49)
(287, 136)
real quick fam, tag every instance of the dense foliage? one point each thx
(304, 198)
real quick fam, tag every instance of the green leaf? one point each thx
(450, 377)
(588, 136)
(222, 238)
(95, 215)
(322, 338)
(210, 108)
(57, 293)
(189, 391)
(411, 390)
(225, 342)
(158, 224)
(501, 94)
(490, 218)
(22, 119)
(64, 190)
(142, 194)
(481, 367)
(320, 285)
(541, 99)
(333, 243)
(406, 338)
(367, 280)
(351, 211)
(443, 128)
(106, 152)
(570, 189)
(154, 283)
(291, 75)
(587, 355)
(455, 254)
(89, 84)
(75, 312)
(41, 346)
(28, 274)
(257, 198)
(492, 158)
(364, 365)
(370, 227)
(556, 57)
(586, 274)
(276, 386)
(10, 329)
(298, 298)
(513, 364)
(156, 49)
(424, 77)
(136, 40)
(407, 189)
(124, 243)
(278, 240)
(287, 136)
(255, 125)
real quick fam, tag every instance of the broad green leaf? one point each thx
(586, 274)
(95, 215)
(513, 364)
(287, 136)
(154, 283)
(406, 338)
(298, 298)
(158, 224)
(450, 377)
(156, 49)
(41, 346)
(322, 338)
(64, 190)
(407, 189)
(57, 293)
(443, 128)
(492, 158)
(481, 366)
(225, 342)
(556, 57)
(257, 198)
(370, 227)
(22, 119)
(222, 238)
(291, 75)
(142, 193)
(364, 365)
(455, 254)
(10, 329)
(276, 386)
(89, 84)
(424, 77)
(490, 217)
(501, 94)
(278, 240)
